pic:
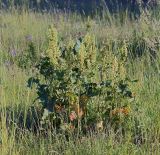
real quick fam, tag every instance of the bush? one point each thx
(80, 90)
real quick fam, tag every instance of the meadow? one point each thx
(106, 67)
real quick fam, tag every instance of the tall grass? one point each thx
(15, 28)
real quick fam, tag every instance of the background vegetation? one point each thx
(82, 6)
(24, 41)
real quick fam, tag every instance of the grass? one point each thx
(14, 94)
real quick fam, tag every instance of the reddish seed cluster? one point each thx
(124, 111)
(73, 116)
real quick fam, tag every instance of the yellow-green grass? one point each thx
(14, 94)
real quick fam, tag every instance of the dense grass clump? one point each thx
(76, 85)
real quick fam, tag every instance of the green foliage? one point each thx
(28, 57)
(67, 85)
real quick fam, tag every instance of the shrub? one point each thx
(80, 90)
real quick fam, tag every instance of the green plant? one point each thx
(27, 58)
(69, 78)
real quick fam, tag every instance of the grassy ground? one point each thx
(16, 27)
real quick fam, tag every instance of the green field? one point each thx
(24, 39)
